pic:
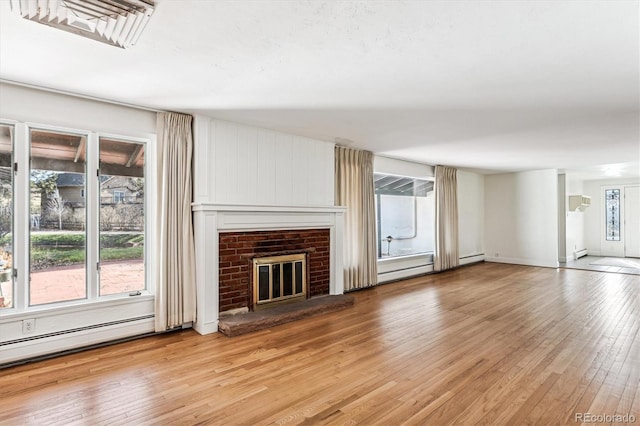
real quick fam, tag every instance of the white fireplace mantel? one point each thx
(212, 219)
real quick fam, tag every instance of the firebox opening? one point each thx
(279, 279)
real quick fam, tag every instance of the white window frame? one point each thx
(400, 237)
(21, 225)
(398, 267)
(12, 124)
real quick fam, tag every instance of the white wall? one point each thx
(60, 328)
(393, 166)
(244, 165)
(594, 217)
(42, 107)
(471, 211)
(521, 218)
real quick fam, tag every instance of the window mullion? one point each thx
(93, 211)
(21, 216)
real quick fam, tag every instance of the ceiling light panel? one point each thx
(115, 22)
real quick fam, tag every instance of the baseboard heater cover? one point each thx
(75, 330)
(580, 253)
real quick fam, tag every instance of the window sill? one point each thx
(62, 308)
(426, 257)
(392, 264)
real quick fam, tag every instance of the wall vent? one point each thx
(115, 22)
(579, 202)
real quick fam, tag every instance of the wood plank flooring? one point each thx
(486, 344)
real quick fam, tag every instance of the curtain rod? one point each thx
(77, 95)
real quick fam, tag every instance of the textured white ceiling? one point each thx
(491, 85)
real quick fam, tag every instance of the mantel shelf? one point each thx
(266, 208)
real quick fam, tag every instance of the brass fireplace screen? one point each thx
(279, 279)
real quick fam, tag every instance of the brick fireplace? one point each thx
(238, 249)
(229, 237)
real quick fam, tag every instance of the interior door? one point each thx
(632, 221)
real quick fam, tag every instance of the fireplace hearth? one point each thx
(236, 325)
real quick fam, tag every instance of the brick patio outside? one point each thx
(68, 282)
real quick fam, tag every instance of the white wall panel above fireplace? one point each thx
(245, 165)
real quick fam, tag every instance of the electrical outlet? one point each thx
(28, 326)
(497, 254)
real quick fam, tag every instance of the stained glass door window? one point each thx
(612, 214)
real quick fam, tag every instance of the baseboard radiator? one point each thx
(579, 253)
(75, 330)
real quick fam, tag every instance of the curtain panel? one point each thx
(446, 192)
(354, 189)
(176, 286)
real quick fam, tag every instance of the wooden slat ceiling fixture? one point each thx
(67, 152)
(57, 146)
(115, 22)
(398, 185)
(121, 153)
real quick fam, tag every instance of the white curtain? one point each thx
(354, 189)
(446, 193)
(176, 287)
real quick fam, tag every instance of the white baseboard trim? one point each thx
(384, 277)
(472, 259)
(63, 342)
(526, 262)
(565, 259)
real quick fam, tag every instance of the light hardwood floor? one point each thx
(484, 344)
